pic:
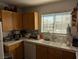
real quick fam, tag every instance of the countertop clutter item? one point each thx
(14, 9)
(23, 32)
(41, 36)
(5, 39)
(13, 35)
(29, 33)
(17, 34)
(34, 34)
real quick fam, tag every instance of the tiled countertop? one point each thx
(43, 42)
(9, 43)
(53, 44)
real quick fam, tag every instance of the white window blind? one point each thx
(56, 23)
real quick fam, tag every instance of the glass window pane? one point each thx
(56, 23)
(47, 23)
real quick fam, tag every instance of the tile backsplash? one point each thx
(57, 37)
(60, 38)
(5, 34)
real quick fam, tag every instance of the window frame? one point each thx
(60, 13)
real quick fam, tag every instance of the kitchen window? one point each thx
(56, 22)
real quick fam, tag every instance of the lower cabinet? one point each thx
(44, 52)
(35, 51)
(54, 53)
(16, 50)
(68, 55)
(41, 52)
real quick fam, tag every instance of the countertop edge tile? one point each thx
(66, 48)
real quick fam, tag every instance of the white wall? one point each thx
(65, 5)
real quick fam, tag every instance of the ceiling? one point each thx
(29, 2)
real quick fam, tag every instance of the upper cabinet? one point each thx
(17, 21)
(11, 20)
(0, 14)
(30, 21)
(7, 20)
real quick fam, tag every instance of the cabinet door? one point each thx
(20, 20)
(19, 52)
(68, 55)
(31, 21)
(25, 21)
(41, 52)
(54, 53)
(29, 50)
(15, 50)
(17, 20)
(7, 20)
(28, 21)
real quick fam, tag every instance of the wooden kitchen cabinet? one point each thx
(16, 50)
(11, 20)
(17, 20)
(41, 52)
(68, 55)
(54, 53)
(30, 21)
(7, 20)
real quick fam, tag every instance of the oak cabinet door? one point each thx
(7, 20)
(68, 55)
(19, 53)
(16, 51)
(17, 21)
(54, 53)
(30, 21)
(41, 52)
(25, 21)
